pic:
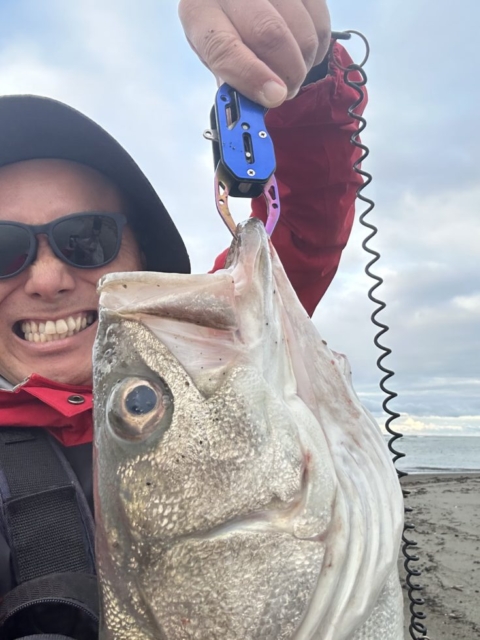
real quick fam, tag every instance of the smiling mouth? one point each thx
(40, 331)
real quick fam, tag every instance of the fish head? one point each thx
(202, 478)
(180, 460)
(241, 490)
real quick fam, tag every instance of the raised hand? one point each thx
(263, 48)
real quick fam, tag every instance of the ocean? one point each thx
(439, 454)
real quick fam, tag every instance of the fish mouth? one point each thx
(40, 331)
(283, 518)
(258, 522)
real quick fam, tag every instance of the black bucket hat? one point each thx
(34, 127)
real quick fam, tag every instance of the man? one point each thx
(74, 206)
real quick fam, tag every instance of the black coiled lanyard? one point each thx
(356, 78)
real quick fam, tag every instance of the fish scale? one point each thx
(255, 499)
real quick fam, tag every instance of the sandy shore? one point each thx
(446, 513)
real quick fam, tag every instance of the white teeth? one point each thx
(55, 329)
(50, 328)
(61, 326)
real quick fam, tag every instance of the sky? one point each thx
(128, 66)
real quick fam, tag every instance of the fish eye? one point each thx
(138, 407)
(141, 400)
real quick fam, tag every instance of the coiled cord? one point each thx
(416, 617)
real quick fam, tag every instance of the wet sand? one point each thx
(446, 514)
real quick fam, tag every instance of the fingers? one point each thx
(318, 12)
(264, 48)
(276, 30)
(219, 45)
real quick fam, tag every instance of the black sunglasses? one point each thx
(83, 240)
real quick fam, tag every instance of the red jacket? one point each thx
(317, 187)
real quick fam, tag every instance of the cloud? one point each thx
(429, 248)
(410, 425)
(436, 227)
(423, 150)
(423, 92)
(433, 425)
(22, 71)
(132, 71)
(470, 304)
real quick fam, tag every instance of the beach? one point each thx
(446, 514)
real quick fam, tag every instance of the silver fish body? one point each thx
(241, 490)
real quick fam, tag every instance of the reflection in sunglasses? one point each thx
(84, 240)
(86, 251)
(85, 247)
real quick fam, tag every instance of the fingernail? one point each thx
(294, 93)
(273, 93)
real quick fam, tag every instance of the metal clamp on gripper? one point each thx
(243, 155)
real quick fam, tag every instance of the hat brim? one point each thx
(33, 127)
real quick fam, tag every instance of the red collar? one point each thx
(64, 410)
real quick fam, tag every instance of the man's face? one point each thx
(49, 290)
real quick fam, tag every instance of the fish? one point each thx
(242, 491)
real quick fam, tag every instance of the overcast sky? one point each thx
(128, 66)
